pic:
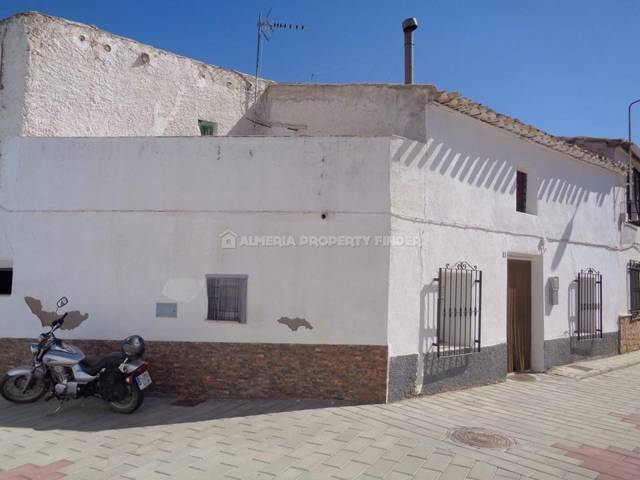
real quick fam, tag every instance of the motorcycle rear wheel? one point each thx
(12, 387)
(131, 403)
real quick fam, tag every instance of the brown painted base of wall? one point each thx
(247, 370)
(629, 333)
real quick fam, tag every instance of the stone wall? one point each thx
(561, 351)
(452, 373)
(629, 333)
(247, 370)
(403, 371)
(445, 373)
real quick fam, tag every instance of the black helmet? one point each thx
(133, 346)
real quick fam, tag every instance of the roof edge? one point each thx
(457, 102)
(65, 21)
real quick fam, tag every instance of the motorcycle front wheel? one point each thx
(13, 388)
(130, 403)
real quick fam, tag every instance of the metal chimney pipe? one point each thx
(408, 26)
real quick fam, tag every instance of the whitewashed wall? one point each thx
(82, 81)
(120, 224)
(453, 188)
(13, 70)
(457, 192)
(360, 110)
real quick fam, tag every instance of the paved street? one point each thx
(554, 427)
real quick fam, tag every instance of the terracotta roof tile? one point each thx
(464, 105)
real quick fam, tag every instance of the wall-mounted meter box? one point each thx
(554, 290)
(167, 310)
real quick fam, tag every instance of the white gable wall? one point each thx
(82, 81)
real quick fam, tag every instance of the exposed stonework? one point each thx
(295, 323)
(629, 336)
(247, 370)
(72, 320)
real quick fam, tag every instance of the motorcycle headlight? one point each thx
(34, 348)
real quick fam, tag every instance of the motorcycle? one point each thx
(65, 373)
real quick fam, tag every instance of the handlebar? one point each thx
(59, 321)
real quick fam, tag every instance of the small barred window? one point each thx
(227, 297)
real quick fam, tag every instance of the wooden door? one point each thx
(518, 315)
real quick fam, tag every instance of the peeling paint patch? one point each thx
(73, 320)
(183, 289)
(295, 323)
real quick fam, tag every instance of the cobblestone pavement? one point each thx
(558, 428)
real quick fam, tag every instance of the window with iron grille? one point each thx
(459, 310)
(227, 297)
(633, 197)
(634, 286)
(589, 293)
(521, 192)
(208, 129)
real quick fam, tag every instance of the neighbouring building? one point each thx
(367, 242)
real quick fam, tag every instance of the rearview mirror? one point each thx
(62, 302)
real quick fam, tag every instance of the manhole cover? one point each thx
(480, 437)
(522, 377)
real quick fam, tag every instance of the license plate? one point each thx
(143, 380)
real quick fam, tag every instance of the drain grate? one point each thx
(480, 437)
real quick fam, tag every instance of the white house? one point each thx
(368, 242)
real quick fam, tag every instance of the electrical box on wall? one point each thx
(167, 310)
(554, 290)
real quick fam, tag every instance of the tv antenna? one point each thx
(265, 29)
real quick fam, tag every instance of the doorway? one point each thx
(518, 315)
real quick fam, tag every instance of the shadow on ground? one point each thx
(93, 415)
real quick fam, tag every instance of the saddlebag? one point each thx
(113, 385)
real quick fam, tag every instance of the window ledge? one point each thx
(225, 321)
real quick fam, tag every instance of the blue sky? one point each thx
(569, 67)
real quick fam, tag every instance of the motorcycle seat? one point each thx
(93, 365)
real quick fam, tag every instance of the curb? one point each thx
(597, 372)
